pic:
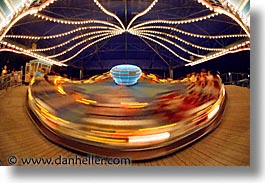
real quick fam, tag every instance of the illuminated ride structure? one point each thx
(97, 34)
(125, 74)
(153, 118)
(142, 120)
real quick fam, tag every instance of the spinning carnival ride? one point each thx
(142, 121)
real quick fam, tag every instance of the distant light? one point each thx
(125, 74)
(248, 75)
(229, 73)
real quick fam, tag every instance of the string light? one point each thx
(142, 13)
(70, 40)
(192, 34)
(76, 22)
(237, 11)
(45, 4)
(77, 44)
(20, 50)
(181, 40)
(157, 42)
(222, 11)
(23, 14)
(176, 21)
(109, 13)
(170, 42)
(101, 39)
(206, 4)
(140, 30)
(57, 35)
(232, 49)
(23, 4)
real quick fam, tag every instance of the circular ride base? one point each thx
(150, 119)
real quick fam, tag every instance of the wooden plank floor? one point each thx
(228, 145)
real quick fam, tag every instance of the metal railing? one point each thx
(10, 80)
(239, 79)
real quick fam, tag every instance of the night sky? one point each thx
(236, 62)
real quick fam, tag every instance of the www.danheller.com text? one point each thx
(75, 160)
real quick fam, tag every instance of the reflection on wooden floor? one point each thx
(228, 145)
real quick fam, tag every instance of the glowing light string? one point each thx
(157, 42)
(101, 39)
(16, 49)
(58, 35)
(206, 4)
(27, 12)
(75, 22)
(192, 34)
(142, 13)
(216, 56)
(176, 21)
(16, 10)
(140, 30)
(109, 13)
(244, 18)
(79, 43)
(171, 42)
(70, 40)
(181, 40)
(232, 49)
(221, 10)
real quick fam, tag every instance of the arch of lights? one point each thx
(146, 30)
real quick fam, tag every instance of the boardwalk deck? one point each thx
(228, 145)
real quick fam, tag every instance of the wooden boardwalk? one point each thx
(228, 145)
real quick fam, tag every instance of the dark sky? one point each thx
(13, 60)
(236, 62)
